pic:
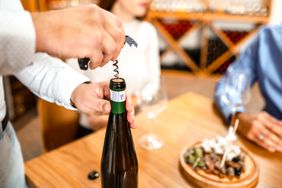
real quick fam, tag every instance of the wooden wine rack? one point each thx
(204, 21)
(209, 62)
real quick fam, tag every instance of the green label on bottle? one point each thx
(118, 101)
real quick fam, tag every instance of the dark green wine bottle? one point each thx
(119, 165)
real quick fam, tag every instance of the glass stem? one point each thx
(233, 118)
(150, 126)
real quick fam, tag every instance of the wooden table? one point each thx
(188, 118)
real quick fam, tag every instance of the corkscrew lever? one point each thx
(130, 41)
(83, 62)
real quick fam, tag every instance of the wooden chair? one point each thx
(58, 125)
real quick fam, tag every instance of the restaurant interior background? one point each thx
(198, 40)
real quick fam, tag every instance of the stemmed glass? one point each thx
(236, 91)
(152, 105)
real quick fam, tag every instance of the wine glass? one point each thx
(152, 105)
(236, 91)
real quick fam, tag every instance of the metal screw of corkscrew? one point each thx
(115, 64)
(83, 62)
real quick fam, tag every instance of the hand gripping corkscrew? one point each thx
(83, 62)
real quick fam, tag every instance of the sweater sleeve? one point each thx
(153, 60)
(245, 64)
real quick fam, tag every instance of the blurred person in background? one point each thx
(140, 66)
(262, 60)
(24, 37)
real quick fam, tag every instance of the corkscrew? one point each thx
(83, 62)
(116, 69)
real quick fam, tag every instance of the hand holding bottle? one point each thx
(94, 97)
(99, 120)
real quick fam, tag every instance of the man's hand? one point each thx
(97, 121)
(85, 31)
(94, 98)
(263, 129)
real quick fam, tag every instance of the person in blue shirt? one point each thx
(262, 60)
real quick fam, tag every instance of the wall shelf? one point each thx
(228, 41)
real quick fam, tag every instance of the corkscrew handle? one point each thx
(84, 62)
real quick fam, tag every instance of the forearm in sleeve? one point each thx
(51, 79)
(17, 36)
(246, 63)
(225, 109)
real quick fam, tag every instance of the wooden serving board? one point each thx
(248, 179)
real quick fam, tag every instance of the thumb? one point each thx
(101, 105)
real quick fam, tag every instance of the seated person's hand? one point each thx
(94, 98)
(261, 128)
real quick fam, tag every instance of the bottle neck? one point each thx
(117, 101)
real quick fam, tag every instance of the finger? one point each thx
(277, 130)
(97, 121)
(96, 113)
(270, 118)
(106, 89)
(130, 112)
(272, 140)
(109, 47)
(129, 104)
(120, 45)
(96, 58)
(116, 31)
(131, 120)
(276, 141)
(254, 135)
(267, 141)
(271, 124)
(100, 105)
(264, 145)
